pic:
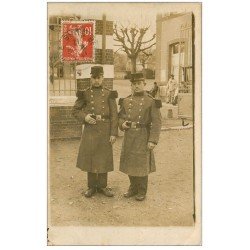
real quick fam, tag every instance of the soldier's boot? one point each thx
(90, 192)
(140, 197)
(131, 192)
(91, 177)
(106, 191)
(102, 185)
(142, 188)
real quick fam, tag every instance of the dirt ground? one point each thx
(169, 200)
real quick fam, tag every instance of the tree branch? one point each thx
(120, 38)
(126, 33)
(118, 50)
(141, 50)
(147, 54)
(138, 45)
(122, 41)
(150, 39)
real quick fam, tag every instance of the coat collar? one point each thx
(139, 93)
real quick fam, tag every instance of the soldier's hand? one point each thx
(125, 126)
(89, 119)
(151, 145)
(112, 139)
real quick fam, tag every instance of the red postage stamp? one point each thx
(78, 41)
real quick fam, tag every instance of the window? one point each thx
(175, 48)
(60, 71)
(186, 74)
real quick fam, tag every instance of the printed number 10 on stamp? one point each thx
(78, 41)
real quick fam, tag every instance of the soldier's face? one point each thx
(137, 86)
(96, 81)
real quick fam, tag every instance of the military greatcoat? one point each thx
(95, 152)
(136, 159)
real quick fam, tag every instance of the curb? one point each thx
(176, 128)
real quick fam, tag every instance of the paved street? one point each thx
(169, 200)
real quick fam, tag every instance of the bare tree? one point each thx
(132, 42)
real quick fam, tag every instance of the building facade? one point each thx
(174, 48)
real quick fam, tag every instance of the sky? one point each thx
(141, 14)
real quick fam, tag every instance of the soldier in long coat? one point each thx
(140, 118)
(96, 108)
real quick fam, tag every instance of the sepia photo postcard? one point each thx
(124, 123)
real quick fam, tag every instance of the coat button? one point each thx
(92, 108)
(103, 107)
(91, 96)
(141, 103)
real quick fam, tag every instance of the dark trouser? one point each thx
(97, 180)
(139, 184)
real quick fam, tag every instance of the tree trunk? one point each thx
(133, 65)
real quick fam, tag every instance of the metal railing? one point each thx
(62, 77)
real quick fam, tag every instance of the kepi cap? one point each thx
(136, 77)
(96, 71)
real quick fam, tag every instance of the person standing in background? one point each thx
(154, 90)
(171, 86)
